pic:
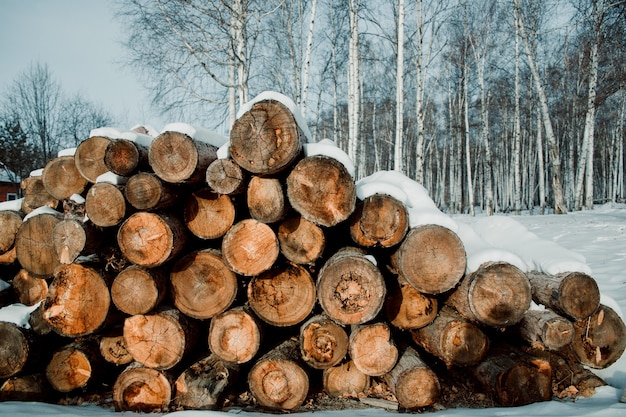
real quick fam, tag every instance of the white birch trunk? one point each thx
(307, 59)
(399, 141)
(468, 158)
(541, 166)
(353, 81)
(517, 183)
(419, 95)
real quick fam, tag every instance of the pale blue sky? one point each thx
(80, 40)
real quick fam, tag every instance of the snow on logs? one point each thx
(196, 270)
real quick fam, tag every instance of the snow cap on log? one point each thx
(329, 148)
(197, 133)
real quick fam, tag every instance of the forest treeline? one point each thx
(500, 105)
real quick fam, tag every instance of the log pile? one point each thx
(262, 280)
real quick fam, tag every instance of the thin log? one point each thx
(266, 199)
(146, 191)
(105, 204)
(235, 336)
(73, 238)
(177, 158)
(36, 195)
(250, 247)
(406, 308)
(282, 296)
(30, 289)
(202, 284)
(544, 329)
(372, 348)
(225, 176)
(138, 290)
(345, 380)
(301, 241)
(323, 343)
(142, 389)
(321, 189)
(562, 293)
(10, 222)
(75, 366)
(431, 258)
(266, 139)
(497, 294)
(34, 247)
(89, 157)
(124, 157)
(62, 179)
(27, 388)
(379, 221)
(113, 349)
(277, 380)
(208, 215)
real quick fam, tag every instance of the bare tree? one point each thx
(353, 80)
(78, 117)
(398, 154)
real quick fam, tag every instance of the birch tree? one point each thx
(353, 79)
(517, 181)
(398, 155)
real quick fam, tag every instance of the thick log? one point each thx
(138, 290)
(203, 385)
(142, 389)
(208, 215)
(277, 380)
(301, 241)
(321, 189)
(159, 340)
(282, 296)
(235, 336)
(16, 348)
(372, 348)
(250, 247)
(78, 301)
(431, 258)
(345, 380)
(177, 158)
(350, 288)
(452, 339)
(89, 157)
(146, 191)
(514, 378)
(497, 294)
(379, 221)
(266, 139)
(124, 157)
(34, 247)
(225, 176)
(544, 329)
(29, 289)
(323, 343)
(36, 195)
(151, 239)
(10, 222)
(266, 200)
(413, 383)
(105, 204)
(73, 238)
(562, 293)
(113, 349)
(406, 308)
(27, 388)
(75, 366)
(202, 284)
(62, 179)
(600, 339)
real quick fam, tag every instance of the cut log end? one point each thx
(89, 157)
(142, 390)
(372, 349)
(379, 221)
(234, 336)
(278, 384)
(323, 342)
(301, 241)
(250, 247)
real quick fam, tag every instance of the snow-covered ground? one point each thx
(598, 236)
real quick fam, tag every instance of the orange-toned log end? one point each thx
(250, 247)
(234, 336)
(278, 384)
(323, 342)
(379, 221)
(142, 390)
(413, 383)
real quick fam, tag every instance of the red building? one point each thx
(9, 184)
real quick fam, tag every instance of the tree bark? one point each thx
(431, 258)
(29, 289)
(62, 179)
(323, 343)
(89, 157)
(202, 284)
(159, 340)
(562, 293)
(208, 215)
(73, 238)
(350, 288)
(34, 247)
(599, 339)
(124, 157)
(78, 301)
(277, 380)
(379, 221)
(177, 158)
(406, 308)
(151, 239)
(266, 200)
(250, 247)
(413, 383)
(105, 204)
(345, 380)
(544, 329)
(36, 195)
(235, 336)
(282, 296)
(321, 190)
(301, 241)
(372, 348)
(146, 191)
(497, 294)
(142, 389)
(138, 290)
(266, 139)
(225, 176)
(452, 339)
(203, 385)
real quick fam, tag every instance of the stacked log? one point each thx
(262, 279)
